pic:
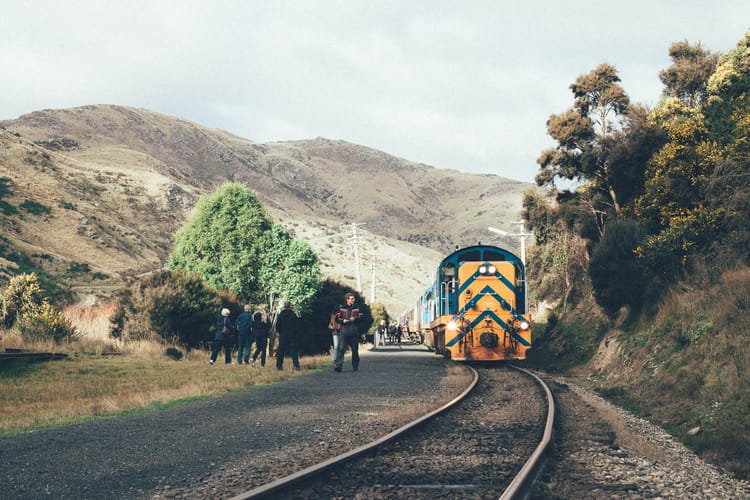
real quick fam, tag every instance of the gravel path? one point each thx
(221, 446)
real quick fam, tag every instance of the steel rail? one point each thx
(526, 476)
(286, 481)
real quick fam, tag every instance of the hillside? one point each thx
(96, 193)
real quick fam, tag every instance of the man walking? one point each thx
(348, 317)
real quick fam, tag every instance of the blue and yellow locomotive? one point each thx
(475, 310)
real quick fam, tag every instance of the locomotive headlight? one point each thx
(524, 325)
(492, 270)
(452, 325)
(482, 269)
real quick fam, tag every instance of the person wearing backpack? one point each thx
(223, 337)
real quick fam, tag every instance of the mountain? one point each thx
(94, 194)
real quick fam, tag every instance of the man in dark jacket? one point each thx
(286, 325)
(244, 340)
(348, 317)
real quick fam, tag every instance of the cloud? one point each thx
(463, 85)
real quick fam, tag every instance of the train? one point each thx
(476, 307)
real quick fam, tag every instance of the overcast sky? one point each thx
(467, 85)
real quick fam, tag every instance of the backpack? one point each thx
(334, 325)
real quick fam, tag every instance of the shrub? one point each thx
(174, 306)
(22, 296)
(35, 208)
(617, 276)
(314, 337)
(46, 323)
(174, 353)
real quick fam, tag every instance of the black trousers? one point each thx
(227, 350)
(351, 341)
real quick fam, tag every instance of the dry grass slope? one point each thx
(119, 181)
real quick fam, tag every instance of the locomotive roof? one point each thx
(507, 255)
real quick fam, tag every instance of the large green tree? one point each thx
(222, 240)
(232, 245)
(289, 270)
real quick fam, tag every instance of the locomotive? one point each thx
(475, 309)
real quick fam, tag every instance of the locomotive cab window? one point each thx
(492, 255)
(471, 256)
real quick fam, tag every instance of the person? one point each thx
(381, 331)
(244, 340)
(261, 328)
(223, 337)
(335, 328)
(286, 325)
(348, 317)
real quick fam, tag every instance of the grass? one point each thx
(85, 386)
(103, 377)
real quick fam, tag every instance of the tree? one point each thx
(695, 193)
(25, 305)
(687, 77)
(728, 101)
(600, 97)
(220, 242)
(232, 245)
(289, 269)
(585, 137)
(727, 112)
(46, 323)
(379, 313)
(630, 153)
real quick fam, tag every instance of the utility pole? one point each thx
(372, 283)
(522, 234)
(355, 236)
(355, 239)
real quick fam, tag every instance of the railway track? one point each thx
(485, 443)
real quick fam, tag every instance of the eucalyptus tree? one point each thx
(687, 77)
(586, 134)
